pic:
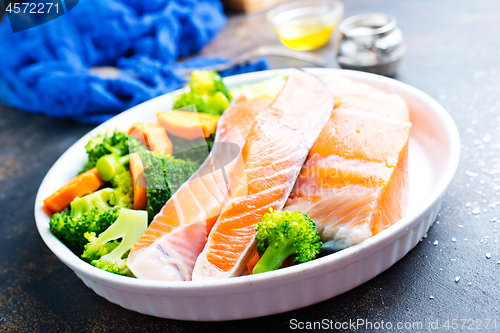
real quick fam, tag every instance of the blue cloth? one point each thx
(46, 69)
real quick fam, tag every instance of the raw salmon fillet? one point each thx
(273, 155)
(354, 183)
(168, 249)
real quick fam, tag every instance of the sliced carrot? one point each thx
(188, 125)
(251, 264)
(138, 181)
(153, 135)
(79, 186)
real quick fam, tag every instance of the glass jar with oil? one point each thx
(306, 24)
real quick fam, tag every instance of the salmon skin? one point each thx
(354, 183)
(273, 155)
(168, 249)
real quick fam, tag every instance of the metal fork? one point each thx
(265, 50)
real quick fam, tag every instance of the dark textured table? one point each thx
(454, 56)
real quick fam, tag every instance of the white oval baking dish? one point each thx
(434, 155)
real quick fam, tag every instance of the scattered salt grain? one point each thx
(469, 284)
(471, 174)
(476, 211)
(431, 297)
(457, 279)
(453, 259)
(468, 204)
(478, 74)
(491, 172)
(487, 138)
(488, 255)
(453, 239)
(460, 226)
(436, 242)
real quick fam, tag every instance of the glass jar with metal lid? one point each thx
(371, 43)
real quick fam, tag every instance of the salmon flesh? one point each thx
(273, 155)
(354, 183)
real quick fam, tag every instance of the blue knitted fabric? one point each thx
(46, 69)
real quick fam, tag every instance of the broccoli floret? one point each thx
(196, 150)
(124, 190)
(220, 86)
(98, 199)
(207, 92)
(282, 234)
(70, 230)
(108, 166)
(98, 251)
(103, 144)
(111, 168)
(91, 213)
(164, 174)
(217, 104)
(110, 250)
(191, 98)
(207, 83)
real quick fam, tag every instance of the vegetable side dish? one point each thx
(308, 175)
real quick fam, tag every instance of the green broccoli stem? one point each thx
(110, 165)
(124, 159)
(274, 256)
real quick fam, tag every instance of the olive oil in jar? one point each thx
(300, 36)
(306, 24)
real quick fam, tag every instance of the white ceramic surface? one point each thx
(434, 154)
